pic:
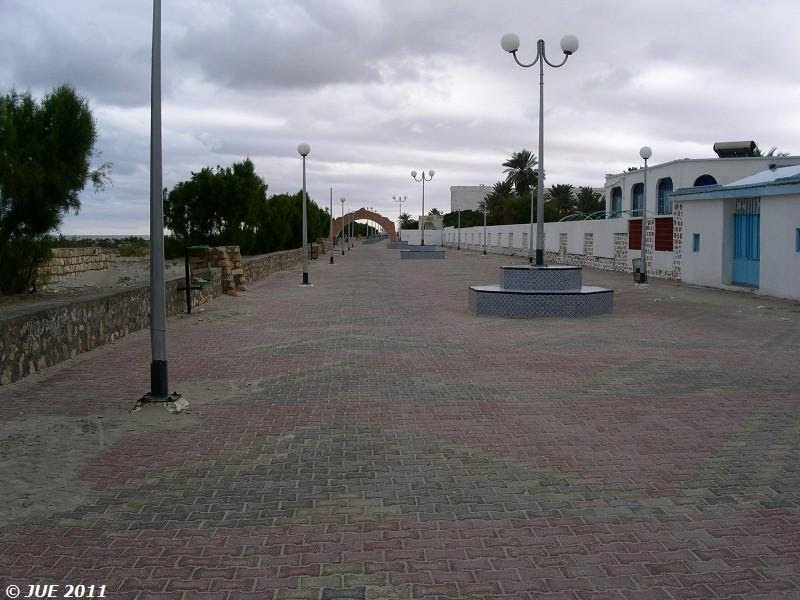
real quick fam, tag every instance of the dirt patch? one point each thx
(123, 272)
(40, 457)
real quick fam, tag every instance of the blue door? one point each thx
(746, 241)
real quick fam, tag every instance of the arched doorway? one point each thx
(363, 213)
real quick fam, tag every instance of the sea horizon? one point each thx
(102, 236)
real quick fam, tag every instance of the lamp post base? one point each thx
(539, 258)
(158, 386)
(159, 391)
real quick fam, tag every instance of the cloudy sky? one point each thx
(381, 87)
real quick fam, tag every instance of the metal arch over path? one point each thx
(363, 213)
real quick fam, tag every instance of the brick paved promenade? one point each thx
(369, 438)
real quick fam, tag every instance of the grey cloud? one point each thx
(308, 44)
(378, 87)
(98, 53)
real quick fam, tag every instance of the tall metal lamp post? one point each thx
(331, 232)
(569, 45)
(303, 150)
(458, 245)
(423, 180)
(399, 200)
(645, 153)
(485, 210)
(159, 380)
(342, 228)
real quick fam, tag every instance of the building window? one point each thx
(797, 240)
(510, 240)
(499, 240)
(704, 180)
(663, 241)
(637, 199)
(489, 239)
(616, 202)
(695, 242)
(664, 203)
(524, 240)
(634, 234)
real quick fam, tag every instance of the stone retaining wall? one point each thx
(48, 336)
(68, 262)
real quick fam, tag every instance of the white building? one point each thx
(735, 221)
(623, 191)
(624, 195)
(467, 197)
(745, 233)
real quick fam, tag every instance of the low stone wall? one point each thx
(259, 267)
(48, 336)
(68, 262)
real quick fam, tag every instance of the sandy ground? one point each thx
(124, 272)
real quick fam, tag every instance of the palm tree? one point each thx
(407, 222)
(562, 199)
(497, 202)
(589, 201)
(519, 169)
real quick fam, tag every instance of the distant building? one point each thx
(467, 197)
(431, 222)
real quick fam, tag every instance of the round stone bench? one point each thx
(529, 277)
(417, 255)
(495, 301)
(425, 248)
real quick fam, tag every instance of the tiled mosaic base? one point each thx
(397, 245)
(421, 255)
(494, 301)
(425, 248)
(524, 277)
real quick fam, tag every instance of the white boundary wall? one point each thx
(601, 244)
(433, 237)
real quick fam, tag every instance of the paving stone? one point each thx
(369, 436)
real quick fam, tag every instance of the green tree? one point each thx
(562, 200)
(498, 203)
(283, 224)
(469, 218)
(218, 207)
(519, 171)
(46, 150)
(434, 211)
(588, 200)
(407, 222)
